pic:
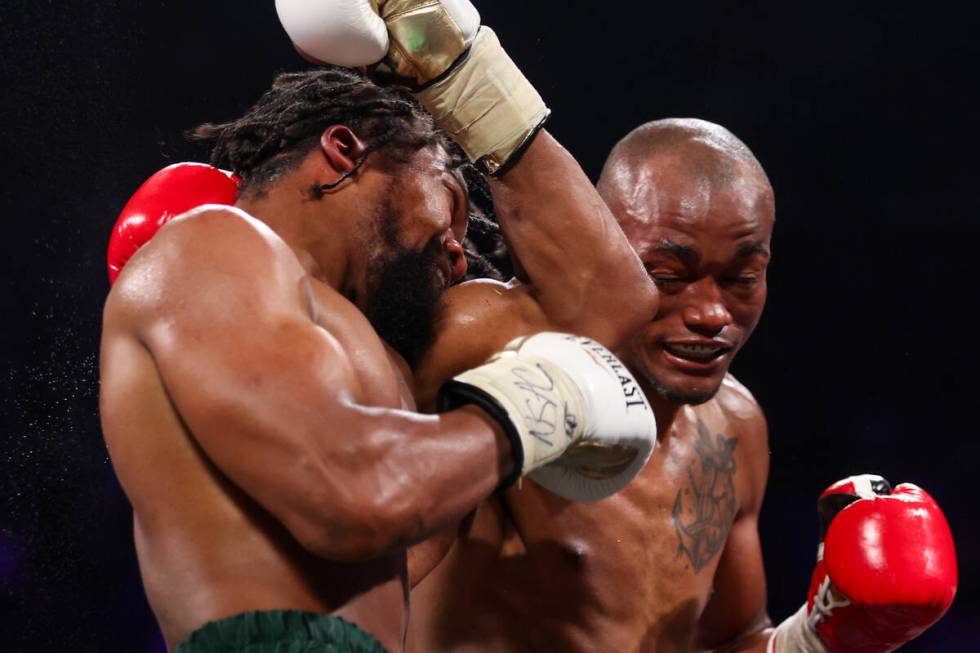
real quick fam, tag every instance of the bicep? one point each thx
(251, 376)
(257, 408)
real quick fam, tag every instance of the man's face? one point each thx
(420, 224)
(706, 245)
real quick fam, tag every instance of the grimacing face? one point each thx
(707, 248)
(417, 254)
(431, 208)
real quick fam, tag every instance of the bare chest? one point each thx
(639, 565)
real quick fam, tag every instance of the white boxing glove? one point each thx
(436, 49)
(351, 33)
(578, 422)
(341, 32)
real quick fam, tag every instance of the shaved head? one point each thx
(662, 154)
(698, 209)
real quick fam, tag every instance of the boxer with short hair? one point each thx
(256, 394)
(673, 562)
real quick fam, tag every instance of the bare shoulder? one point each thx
(473, 302)
(737, 401)
(476, 319)
(198, 257)
(743, 412)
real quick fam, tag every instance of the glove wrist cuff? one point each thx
(455, 394)
(487, 105)
(796, 635)
(530, 397)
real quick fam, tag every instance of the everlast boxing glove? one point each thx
(886, 571)
(176, 189)
(577, 421)
(437, 50)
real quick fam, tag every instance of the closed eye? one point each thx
(667, 282)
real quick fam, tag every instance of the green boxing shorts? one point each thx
(280, 631)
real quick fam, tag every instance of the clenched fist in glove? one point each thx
(886, 571)
(436, 49)
(176, 189)
(577, 421)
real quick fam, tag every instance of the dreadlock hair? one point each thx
(286, 123)
(484, 247)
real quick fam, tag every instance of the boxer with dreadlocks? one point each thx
(256, 389)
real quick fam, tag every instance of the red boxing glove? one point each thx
(176, 189)
(886, 568)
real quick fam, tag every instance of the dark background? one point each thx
(864, 361)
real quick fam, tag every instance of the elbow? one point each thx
(621, 301)
(649, 300)
(335, 543)
(640, 292)
(641, 308)
(357, 528)
(628, 311)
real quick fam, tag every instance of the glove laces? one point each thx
(824, 604)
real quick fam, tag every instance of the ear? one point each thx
(341, 148)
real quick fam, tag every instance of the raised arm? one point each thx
(582, 270)
(274, 402)
(583, 274)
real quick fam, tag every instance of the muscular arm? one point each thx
(582, 271)
(274, 402)
(735, 618)
(582, 275)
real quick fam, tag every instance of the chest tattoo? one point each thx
(704, 509)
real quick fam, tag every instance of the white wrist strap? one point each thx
(796, 635)
(486, 104)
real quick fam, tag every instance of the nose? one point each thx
(705, 312)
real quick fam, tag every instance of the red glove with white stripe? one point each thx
(886, 570)
(176, 189)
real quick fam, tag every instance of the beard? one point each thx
(407, 286)
(675, 396)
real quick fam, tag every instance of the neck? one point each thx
(665, 411)
(309, 228)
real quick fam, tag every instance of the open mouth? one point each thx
(701, 353)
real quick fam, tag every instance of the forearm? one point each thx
(349, 481)
(583, 271)
(412, 475)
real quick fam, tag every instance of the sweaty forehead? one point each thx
(673, 194)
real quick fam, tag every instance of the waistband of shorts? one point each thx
(275, 630)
